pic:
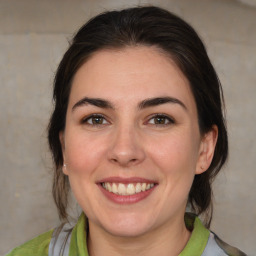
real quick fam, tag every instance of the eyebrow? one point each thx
(151, 102)
(93, 101)
(159, 101)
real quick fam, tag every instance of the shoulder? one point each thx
(37, 246)
(216, 247)
(205, 242)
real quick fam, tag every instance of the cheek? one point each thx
(83, 153)
(176, 158)
(175, 153)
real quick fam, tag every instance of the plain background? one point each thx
(34, 36)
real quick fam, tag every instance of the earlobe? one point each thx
(206, 151)
(62, 142)
(64, 169)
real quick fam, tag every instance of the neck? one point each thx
(167, 240)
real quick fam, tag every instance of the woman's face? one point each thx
(131, 143)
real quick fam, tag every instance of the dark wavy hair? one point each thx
(146, 26)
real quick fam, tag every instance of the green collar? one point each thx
(194, 247)
(78, 245)
(199, 236)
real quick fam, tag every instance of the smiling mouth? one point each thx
(127, 189)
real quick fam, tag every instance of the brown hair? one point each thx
(149, 26)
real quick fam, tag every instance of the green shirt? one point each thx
(39, 246)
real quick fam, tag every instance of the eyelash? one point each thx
(164, 117)
(161, 116)
(85, 120)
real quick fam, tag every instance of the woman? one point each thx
(138, 134)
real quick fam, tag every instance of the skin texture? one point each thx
(128, 143)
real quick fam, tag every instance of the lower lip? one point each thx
(131, 199)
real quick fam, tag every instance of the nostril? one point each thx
(124, 161)
(129, 160)
(125, 153)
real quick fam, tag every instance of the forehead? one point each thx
(130, 74)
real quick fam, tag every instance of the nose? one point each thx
(126, 147)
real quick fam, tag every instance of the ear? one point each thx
(62, 142)
(206, 150)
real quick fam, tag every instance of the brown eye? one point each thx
(95, 120)
(161, 120)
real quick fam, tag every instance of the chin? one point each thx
(127, 226)
(128, 231)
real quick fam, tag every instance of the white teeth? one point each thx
(130, 189)
(138, 188)
(114, 188)
(109, 188)
(121, 189)
(127, 189)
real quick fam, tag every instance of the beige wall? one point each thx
(33, 36)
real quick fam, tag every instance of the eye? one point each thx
(95, 119)
(161, 119)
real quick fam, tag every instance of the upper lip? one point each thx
(117, 179)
